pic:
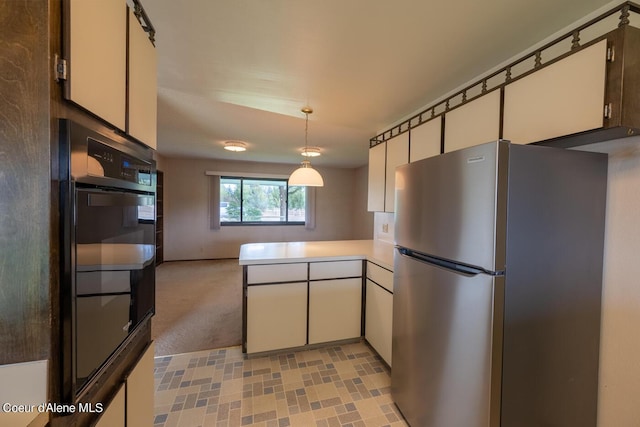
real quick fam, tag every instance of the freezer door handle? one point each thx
(465, 269)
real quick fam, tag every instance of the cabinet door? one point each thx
(397, 154)
(474, 123)
(113, 415)
(142, 123)
(97, 54)
(377, 158)
(276, 316)
(335, 310)
(425, 140)
(379, 320)
(140, 391)
(561, 99)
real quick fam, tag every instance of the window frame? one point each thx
(265, 223)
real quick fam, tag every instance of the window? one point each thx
(261, 201)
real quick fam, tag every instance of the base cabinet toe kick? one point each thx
(300, 304)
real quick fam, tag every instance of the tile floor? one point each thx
(341, 385)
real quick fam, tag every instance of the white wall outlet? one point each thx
(385, 228)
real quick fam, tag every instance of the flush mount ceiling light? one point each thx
(311, 151)
(305, 175)
(235, 146)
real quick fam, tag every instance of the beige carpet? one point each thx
(198, 306)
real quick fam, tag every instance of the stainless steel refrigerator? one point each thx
(497, 287)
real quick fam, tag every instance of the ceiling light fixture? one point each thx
(305, 175)
(235, 146)
(311, 151)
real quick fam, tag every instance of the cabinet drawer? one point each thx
(335, 269)
(274, 273)
(381, 276)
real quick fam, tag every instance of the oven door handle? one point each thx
(119, 199)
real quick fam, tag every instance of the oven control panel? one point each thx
(105, 161)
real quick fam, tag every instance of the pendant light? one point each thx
(305, 175)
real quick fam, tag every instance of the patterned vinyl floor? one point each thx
(342, 385)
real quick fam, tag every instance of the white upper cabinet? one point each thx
(112, 67)
(97, 58)
(397, 154)
(561, 99)
(425, 140)
(377, 159)
(474, 123)
(142, 123)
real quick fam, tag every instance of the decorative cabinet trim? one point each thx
(562, 94)
(546, 55)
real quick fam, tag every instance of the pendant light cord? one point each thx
(306, 130)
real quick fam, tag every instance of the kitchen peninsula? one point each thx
(304, 293)
(377, 251)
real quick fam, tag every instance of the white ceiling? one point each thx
(242, 69)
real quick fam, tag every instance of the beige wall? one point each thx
(619, 384)
(340, 210)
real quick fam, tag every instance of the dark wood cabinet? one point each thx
(159, 218)
(31, 319)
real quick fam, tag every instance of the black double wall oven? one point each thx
(107, 235)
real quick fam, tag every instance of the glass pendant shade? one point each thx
(305, 175)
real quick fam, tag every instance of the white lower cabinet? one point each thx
(296, 304)
(114, 414)
(335, 309)
(276, 316)
(133, 403)
(378, 317)
(140, 391)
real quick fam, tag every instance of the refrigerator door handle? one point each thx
(465, 269)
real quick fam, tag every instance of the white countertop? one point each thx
(332, 250)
